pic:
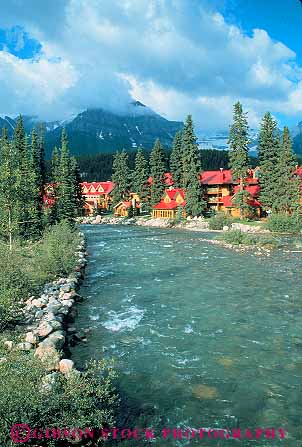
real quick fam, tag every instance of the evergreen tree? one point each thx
(120, 177)
(23, 179)
(157, 171)
(130, 211)
(35, 185)
(268, 149)
(55, 165)
(41, 160)
(66, 202)
(239, 158)
(140, 178)
(52, 212)
(77, 189)
(176, 161)
(9, 200)
(195, 203)
(287, 197)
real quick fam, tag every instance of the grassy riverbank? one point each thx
(28, 266)
(30, 392)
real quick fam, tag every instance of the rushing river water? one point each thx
(202, 336)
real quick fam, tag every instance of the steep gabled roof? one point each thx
(168, 206)
(98, 188)
(126, 204)
(172, 192)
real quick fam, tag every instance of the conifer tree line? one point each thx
(278, 179)
(184, 164)
(23, 180)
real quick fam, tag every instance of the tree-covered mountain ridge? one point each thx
(98, 130)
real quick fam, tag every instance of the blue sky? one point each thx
(281, 19)
(59, 57)
(17, 42)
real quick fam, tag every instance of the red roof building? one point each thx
(170, 203)
(96, 196)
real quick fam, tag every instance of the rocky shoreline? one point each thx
(199, 224)
(45, 324)
(194, 224)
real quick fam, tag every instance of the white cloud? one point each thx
(174, 55)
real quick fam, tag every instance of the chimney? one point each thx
(222, 173)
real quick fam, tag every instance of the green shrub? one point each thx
(14, 285)
(237, 237)
(24, 270)
(54, 255)
(218, 221)
(84, 399)
(283, 223)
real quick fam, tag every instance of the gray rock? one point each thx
(39, 314)
(54, 307)
(49, 382)
(31, 338)
(56, 339)
(24, 346)
(68, 303)
(65, 288)
(46, 327)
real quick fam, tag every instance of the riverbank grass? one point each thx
(25, 269)
(239, 238)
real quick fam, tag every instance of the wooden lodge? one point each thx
(169, 205)
(122, 208)
(96, 196)
(221, 189)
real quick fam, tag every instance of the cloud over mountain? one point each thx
(178, 56)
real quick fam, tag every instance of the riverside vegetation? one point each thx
(39, 252)
(75, 399)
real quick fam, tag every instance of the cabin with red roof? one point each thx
(219, 190)
(170, 203)
(96, 196)
(122, 208)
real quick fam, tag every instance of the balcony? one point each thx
(214, 191)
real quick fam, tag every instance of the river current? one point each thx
(202, 336)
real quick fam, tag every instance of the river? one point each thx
(202, 336)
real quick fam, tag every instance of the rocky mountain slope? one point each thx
(98, 130)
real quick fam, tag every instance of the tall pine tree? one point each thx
(9, 199)
(176, 160)
(77, 189)
(268, 149)
(239, 159)
(66, 198)
(23, 179)
(195, 203)
(35, 185)
(120, 177)
(140, 178)
(287, 197)
(157, 171)
(55, 165)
